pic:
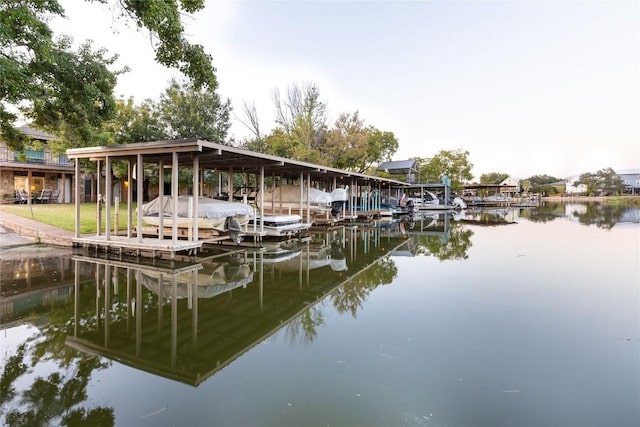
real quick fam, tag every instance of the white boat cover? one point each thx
(207, 207)
(340, 194)
(290, 193)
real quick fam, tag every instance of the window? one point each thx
(20, 183)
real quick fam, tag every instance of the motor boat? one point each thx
(213, 214)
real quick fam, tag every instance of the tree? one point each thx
(543, 184)
(346, 142)
(302, 117)
(604, 182)
(182, 112)
(250, 120)
(381, 146)
(189, 112)
(57, 88)
(71, 93)
(453, 163)
(135, 123)
(163, 21)
(355, 147)
(493, 177)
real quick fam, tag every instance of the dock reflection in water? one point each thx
(185, 321)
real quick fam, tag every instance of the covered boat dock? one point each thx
(200, 157)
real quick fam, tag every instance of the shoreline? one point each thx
(587, 198)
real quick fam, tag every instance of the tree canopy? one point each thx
(302, 133)
(604, 182)
(183, 111)
(353, 146)
(493, 177)
(453, 163)
(543, 184)
(70, 92)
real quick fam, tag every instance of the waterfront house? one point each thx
(631, 180)
(406, 168)
(510, 187)
(573, 189)
(35, 170)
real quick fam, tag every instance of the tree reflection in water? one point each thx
(602, 215)
(303, 328)
(350, 296)
(56, 399)
(446, 240)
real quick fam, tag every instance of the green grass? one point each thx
(628, 201)
(64, 215)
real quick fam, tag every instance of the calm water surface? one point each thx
(525, 317)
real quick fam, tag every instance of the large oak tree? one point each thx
(71, 92)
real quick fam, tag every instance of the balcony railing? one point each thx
(39, 157)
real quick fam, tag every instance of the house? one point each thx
(408, 168)
(631, 179)
(511, 186)
(571, 188)
(35, 170)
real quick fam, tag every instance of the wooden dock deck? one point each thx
(145, 244)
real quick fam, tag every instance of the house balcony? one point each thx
(33, 159)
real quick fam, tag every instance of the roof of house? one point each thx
(398, 167)
(627, 171)
(36, 134)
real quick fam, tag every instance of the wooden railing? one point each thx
(42, 157)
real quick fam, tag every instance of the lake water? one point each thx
(525, 317)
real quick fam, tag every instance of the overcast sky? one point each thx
(527, 87)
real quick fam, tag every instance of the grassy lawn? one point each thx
(64, 215)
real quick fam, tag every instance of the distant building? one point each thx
(630, 178)
(571, 188)
(407, 168)
(511, 181)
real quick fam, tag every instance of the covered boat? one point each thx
(288, 196)
(212, 214)
(430, 201)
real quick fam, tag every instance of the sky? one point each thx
(526, 87)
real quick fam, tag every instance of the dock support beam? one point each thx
(139, 190)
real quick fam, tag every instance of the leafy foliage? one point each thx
(353, 146)
(57, 88)
(183, 111)
(302, 133)
(301, 119)
(543, 184)
(453, 163)
(189, 112)
(493, 177)
(70, 93)
(163, 20)
(604, 182)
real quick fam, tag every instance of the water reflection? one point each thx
(185, 320)
(601, 215)
(180, 319)
(442, 235)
